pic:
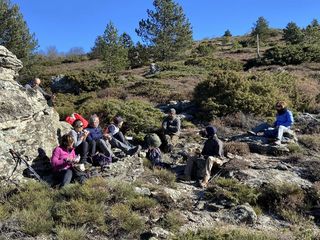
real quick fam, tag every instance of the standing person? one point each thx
(171, 127)
(35, 85)
(63, 160)
(283, 124)
(79, 138)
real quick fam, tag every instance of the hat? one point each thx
(211, 130)
(172, 111)
(77, 123)
(117, 120)
(112, 129)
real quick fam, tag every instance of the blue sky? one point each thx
(76, 23)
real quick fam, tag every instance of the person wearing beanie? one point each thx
(114, 130)
(171, 127)
(283, 124)
(211, 154)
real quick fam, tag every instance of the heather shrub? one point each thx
(249, 94)
(92, 80)
(211, 63)
(141, 117)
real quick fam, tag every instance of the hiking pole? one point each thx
(18, 159)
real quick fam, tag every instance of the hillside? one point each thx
(262, 192)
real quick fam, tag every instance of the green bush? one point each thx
(292, 54)
(212, 64)
(232, 190)
(165, 177)
(173, 220)
(247, 93)
(141, 117)
(287, 200)
(124, 219)
(204, 49)
(92, 80)
(64, 233)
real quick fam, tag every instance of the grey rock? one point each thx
(64, 85)
(241, 214)
(161, 233)
(143, 191)
(28, 124)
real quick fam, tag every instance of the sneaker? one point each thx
(252, 133)
(134, 150)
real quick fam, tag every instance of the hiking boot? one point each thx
(134, 150)
(115, 159)
(252, 133)
(184, 178)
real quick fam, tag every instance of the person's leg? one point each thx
(119, 136)
(281, 131)
(260, 128)
(82, 149)
(92, 148)
(209, 164)
(67, 177)
(104, 147)
(189, 167)
(79, 176)
(117, 144)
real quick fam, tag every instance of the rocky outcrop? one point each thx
(62, 84)
(27, 124)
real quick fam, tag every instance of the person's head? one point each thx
(77, 125)
(281, 106)
(67, 141)
(172, 113)
(36, 82)
(94, 121)
(118, 121)
(211, 131)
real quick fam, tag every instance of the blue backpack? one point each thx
(101, 160)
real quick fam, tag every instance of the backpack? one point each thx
(76, 116)
(101, 160)
(153, 140)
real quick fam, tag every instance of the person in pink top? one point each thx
(63, 160)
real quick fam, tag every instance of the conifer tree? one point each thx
(110, 48)
(14, 32)
(261, 28)
(166, 29)
(292, 33)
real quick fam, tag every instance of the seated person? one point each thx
(104, 141)
(63, 161)
(153, 143)
(114, 129)
(79, 138)
(35, 85)
(171, 127)
(212, 153)
(283, 123)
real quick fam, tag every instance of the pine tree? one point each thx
(110, 48)
(292, 33)
(312, 32)
(261, 28)
(14, 32)
(166, 29)
(227, 33)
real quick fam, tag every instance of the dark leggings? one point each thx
(64, 177)
(82, 150)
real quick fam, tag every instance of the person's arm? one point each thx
(28, 86)
(76, 141)
(164, 124)
(89, 137)
(44, 93)
(289, 118)
(176, 126)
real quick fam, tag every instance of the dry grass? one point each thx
(237, 148)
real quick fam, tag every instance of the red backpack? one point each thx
(75, 116)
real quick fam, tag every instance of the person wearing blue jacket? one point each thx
(283, 124)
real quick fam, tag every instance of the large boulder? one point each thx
(27, 124)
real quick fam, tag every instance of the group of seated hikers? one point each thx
(85, 145)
